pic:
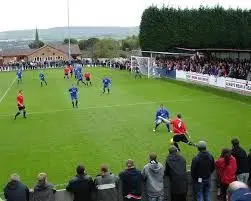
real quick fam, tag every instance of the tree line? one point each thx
(107, 47)
(162, 29)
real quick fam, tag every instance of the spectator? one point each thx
(249, 167)
(153, 174)
(107, 185)
(43, 191)
(176, 171)
(226, 169)
(242, 161)
(81, 186)
(15, 190)
(201, 169)
(238, 191)
(131, 179)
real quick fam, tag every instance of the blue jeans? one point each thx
(159, 198)
(202, 190)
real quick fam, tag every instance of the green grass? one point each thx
(108, 128)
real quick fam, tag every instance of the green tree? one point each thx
(36, 43)
(72, 41)
(130, 43)
(166, 28)
(81, 44)
(107, 48)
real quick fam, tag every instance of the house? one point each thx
(48, 52)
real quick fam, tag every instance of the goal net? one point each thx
(157, 64)
(145, 65)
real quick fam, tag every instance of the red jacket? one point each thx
(227, 174)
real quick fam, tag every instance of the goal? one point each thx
(156, 64)
(146, 66)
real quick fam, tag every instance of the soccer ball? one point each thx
(171, 142)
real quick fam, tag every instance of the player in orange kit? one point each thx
(20, 105)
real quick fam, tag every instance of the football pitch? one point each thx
(108, 128)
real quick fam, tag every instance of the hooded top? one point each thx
(153, 173)
(176, 171)
(44, 192)
(16, 191)
(202, 166)
(227, 173)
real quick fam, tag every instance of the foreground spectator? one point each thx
(201, 170)
(226, 169)
(242, 161)
(153, 174)
(238, 191)
(81, 186)
(107, 185)
(176, 171)
(15, 190)
(43, 191)
(131, 180)
(249, 167)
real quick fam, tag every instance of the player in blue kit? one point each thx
(42, 78)
(106, 85)
(161, 113)
(80, 78)
(76, 72)
(74, 96)
(19, 76)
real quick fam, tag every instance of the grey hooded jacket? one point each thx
(153, 173)
(107, 187)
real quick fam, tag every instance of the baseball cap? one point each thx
(202, 145)
(242, 194)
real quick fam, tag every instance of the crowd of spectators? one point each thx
(119, 64)
(240, 69)
(233, 170)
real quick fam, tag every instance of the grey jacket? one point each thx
(153, 173)
(44, 192)
(107, 187)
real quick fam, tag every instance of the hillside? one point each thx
(59, 33)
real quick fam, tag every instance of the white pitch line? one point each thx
(103, 107)
(6, 92)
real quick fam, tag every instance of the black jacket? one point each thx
(176, 171)
(82, 188)
(131, 180)
(202, 166)
(241, 160)
(16, 191)
(249, 163)
(44, 192)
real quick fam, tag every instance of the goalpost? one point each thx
(148, 65)
(143, 63)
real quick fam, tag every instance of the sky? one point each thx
(29, 14)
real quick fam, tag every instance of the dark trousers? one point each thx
(223, 191)
(180, 197)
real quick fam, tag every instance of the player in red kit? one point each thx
(180, 132)
(71, 70)
(20, 104)
(66, 72)
(88, 78)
